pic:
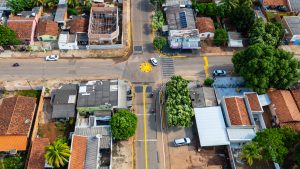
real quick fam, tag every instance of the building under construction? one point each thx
(103, 25)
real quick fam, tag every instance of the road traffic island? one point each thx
(145, 67)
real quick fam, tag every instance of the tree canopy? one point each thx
(123, 124)
(157, 3)
(270, 144)
(262, 67)
(17, 6)
(159, 42)
(206, 9)
(243, 17)
(158, 20)
(58, 153)
(220, 37)
(268, 33)
(178, 103)
(8, 36)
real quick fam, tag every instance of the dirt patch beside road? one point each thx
(122, 155)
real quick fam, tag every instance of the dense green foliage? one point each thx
(206, 9)
(159, 42)
(243, 18)
(73, 3)
(268, 33)
(227, 7)
(208, 82)
(58, 153)
(72, 11)
(220, 37)
(270, 144)
(123, 124)
(17, 6)
(8, 36)
(158, 20)
(157, 3)
(178, 103)
(13, 162)
(263, 66)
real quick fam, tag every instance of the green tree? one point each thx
(73, 3)
(17, 6)
(263, 66)
(158, 20)
(157, 3)
(207, 9)
(229, 5)
(8, 36)
(159, 42)
(123, 124)
(220, 37)
(251, 152)
(51, 3)
(58, 153)
(178, 103)
(243, 18)
(208, 81)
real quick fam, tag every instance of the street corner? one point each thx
(145, 67)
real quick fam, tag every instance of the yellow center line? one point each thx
(206, 66)
(145, 129)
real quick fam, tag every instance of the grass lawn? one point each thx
(29, 93)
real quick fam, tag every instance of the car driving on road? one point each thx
(219, 73)
(52, 58)
(154, 61)
(182, 141)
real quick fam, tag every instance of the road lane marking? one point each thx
(206, 66)
(147, 140)
(161, 124)
(145, 129)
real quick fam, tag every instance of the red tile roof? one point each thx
(22, 26)
(13, 142)
(16, 115)
(237, 111)
(296, 96)
(205, 24)
(79, 25)
(78, 152)
(286, 107)
(47, 27)
(254, 102)
(275, 3)
(36, 157)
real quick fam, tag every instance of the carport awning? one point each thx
(211, 126)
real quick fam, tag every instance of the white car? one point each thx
(182, 141)
(219, 73)
(154, 61)
(52, 58)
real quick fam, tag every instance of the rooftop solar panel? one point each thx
(182, 18)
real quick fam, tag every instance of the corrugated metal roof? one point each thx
(240, 134)
(211, 126)
(92, 153)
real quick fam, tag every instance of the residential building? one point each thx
(181, 26)
(285, 108)
(24, 24)
(235, 40)
(79, 26)
(101, 96)
(292, 29)
(36, 159)
(274, 4)
(103, 25)
(63, 101)
(3, 7)
(206, 27)
(61, 14)
(67, 41)
(47, 30)
(294, 6)
(181, 3)
(16, 117)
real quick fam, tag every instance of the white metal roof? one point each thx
(211, 126)
(240, 134)
(264, 100)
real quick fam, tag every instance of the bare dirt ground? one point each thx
(50, 131)
(122, 155)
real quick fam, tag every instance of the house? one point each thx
(285, 108)
(182, 30)
(79, 26)
(63, 101)
(206, 27)
(103, 25)
(47, 30)
(292, 29)
(235, 40)
(294, 6)
(181, 3)
(36, 159)
(24, 24)
(61, 14)
(281, 5)
(3, 8)
(67, 41)
(16, 118)
(101, 96)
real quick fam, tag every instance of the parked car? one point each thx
(154, 61)
(219, 73)
(52, 58)
(182, 141)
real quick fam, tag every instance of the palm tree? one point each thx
(72, 3)
(38, 2)
(51, 3)
(251, 152)
(57, 153)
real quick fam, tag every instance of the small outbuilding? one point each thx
(206, 27)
